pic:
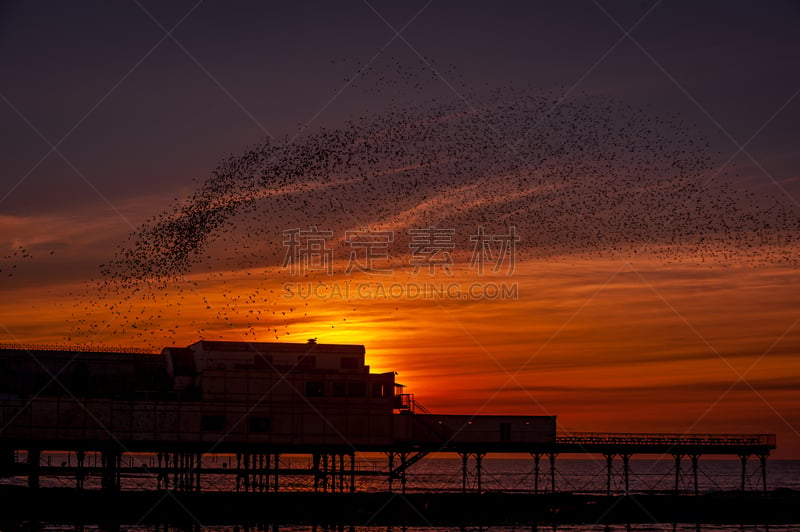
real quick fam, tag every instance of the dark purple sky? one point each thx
(135, 112)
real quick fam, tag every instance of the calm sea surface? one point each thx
(511, 475)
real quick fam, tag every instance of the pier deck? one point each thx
(258, 468)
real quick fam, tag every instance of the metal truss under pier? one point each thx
(676, 445)
(336, 470)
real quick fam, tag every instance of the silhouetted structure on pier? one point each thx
(260, 401)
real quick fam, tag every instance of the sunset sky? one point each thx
(653, 283)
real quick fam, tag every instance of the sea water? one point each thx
(585, 475)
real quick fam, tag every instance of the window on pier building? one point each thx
(213, 423)
(315, 389)
(339, 389)
(258, 424)
(381, 390)
(357, 389)
(505, 431)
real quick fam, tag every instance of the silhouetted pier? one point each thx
(235, 410)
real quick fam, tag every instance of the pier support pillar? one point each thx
(111, 461)
(246, 467)
(464, 460)
(762, 458)
(315, 466)
(339, 472)
(173, 459)
(626, 471)
(159, 473)
(338, 466)
(325, 467)
(267, 472)
(552, 458)
(260, 472)
(238, 472)
(677, 471)
(333, 474)
(275, 478)
(197, 472)
(403, 466)
(162, 480)
(743, 458)
(390, 456)
(34, 456)
(342, 473)
(694, 458)
(270, 472)
(478, 461)
(352, 472)
(537, 457)
(80, 456)
(609, 471)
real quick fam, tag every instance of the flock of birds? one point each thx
(9, 262)
(586, 176)
(399, 77)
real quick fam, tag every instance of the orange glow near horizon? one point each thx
(604, 345)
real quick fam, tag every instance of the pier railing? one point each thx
(76, 348)
(767, 440)
(630, 443)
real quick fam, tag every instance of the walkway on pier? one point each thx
(626, 445)
(334, 470)
(648, 443)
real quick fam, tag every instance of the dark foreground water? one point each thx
(679, 527)
(433, 475)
